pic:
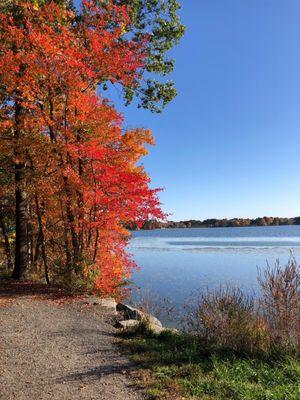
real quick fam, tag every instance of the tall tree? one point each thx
(80, 177)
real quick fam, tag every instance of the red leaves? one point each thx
(79, 164)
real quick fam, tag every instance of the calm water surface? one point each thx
(175, 262)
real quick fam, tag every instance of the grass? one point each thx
(177, 366)
(233, 346)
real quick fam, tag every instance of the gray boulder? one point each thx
(132, 324)
(130, 312)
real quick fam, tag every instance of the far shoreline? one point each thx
(217, 223)
(211, 227)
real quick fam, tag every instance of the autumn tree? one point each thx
(71, 172)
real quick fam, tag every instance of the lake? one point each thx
(176, 262)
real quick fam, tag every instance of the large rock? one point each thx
(132, 324)
(129, 312)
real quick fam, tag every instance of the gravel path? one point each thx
(60, 351)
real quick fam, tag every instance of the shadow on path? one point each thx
(10, 288)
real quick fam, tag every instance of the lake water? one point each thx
(176, 262)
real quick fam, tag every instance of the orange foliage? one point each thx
(83, 183)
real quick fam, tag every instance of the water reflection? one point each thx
(174, 263)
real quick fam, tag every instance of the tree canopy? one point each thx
(159, 20)
(70, 176)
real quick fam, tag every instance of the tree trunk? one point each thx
(21, 246)
(96, 245)
(37, 250)
(30, 237)
(43, 244)
(21, 251)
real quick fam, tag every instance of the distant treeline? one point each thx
(218, 223)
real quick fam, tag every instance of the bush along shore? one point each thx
(231, 346)
(216, 223)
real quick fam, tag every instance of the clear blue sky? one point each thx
(229, 144)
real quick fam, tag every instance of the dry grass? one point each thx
(228, 319)
(233, 347)
(280, 303)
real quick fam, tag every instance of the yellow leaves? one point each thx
(123, 29)
(36, 5)
(135, 142)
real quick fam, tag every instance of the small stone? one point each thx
(108, 303)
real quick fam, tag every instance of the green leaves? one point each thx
(160, 21)
(155, 95)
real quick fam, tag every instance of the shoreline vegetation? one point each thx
(230, 346)
(216, 223)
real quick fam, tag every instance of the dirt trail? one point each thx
(64, 351)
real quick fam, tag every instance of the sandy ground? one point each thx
(57, 349)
